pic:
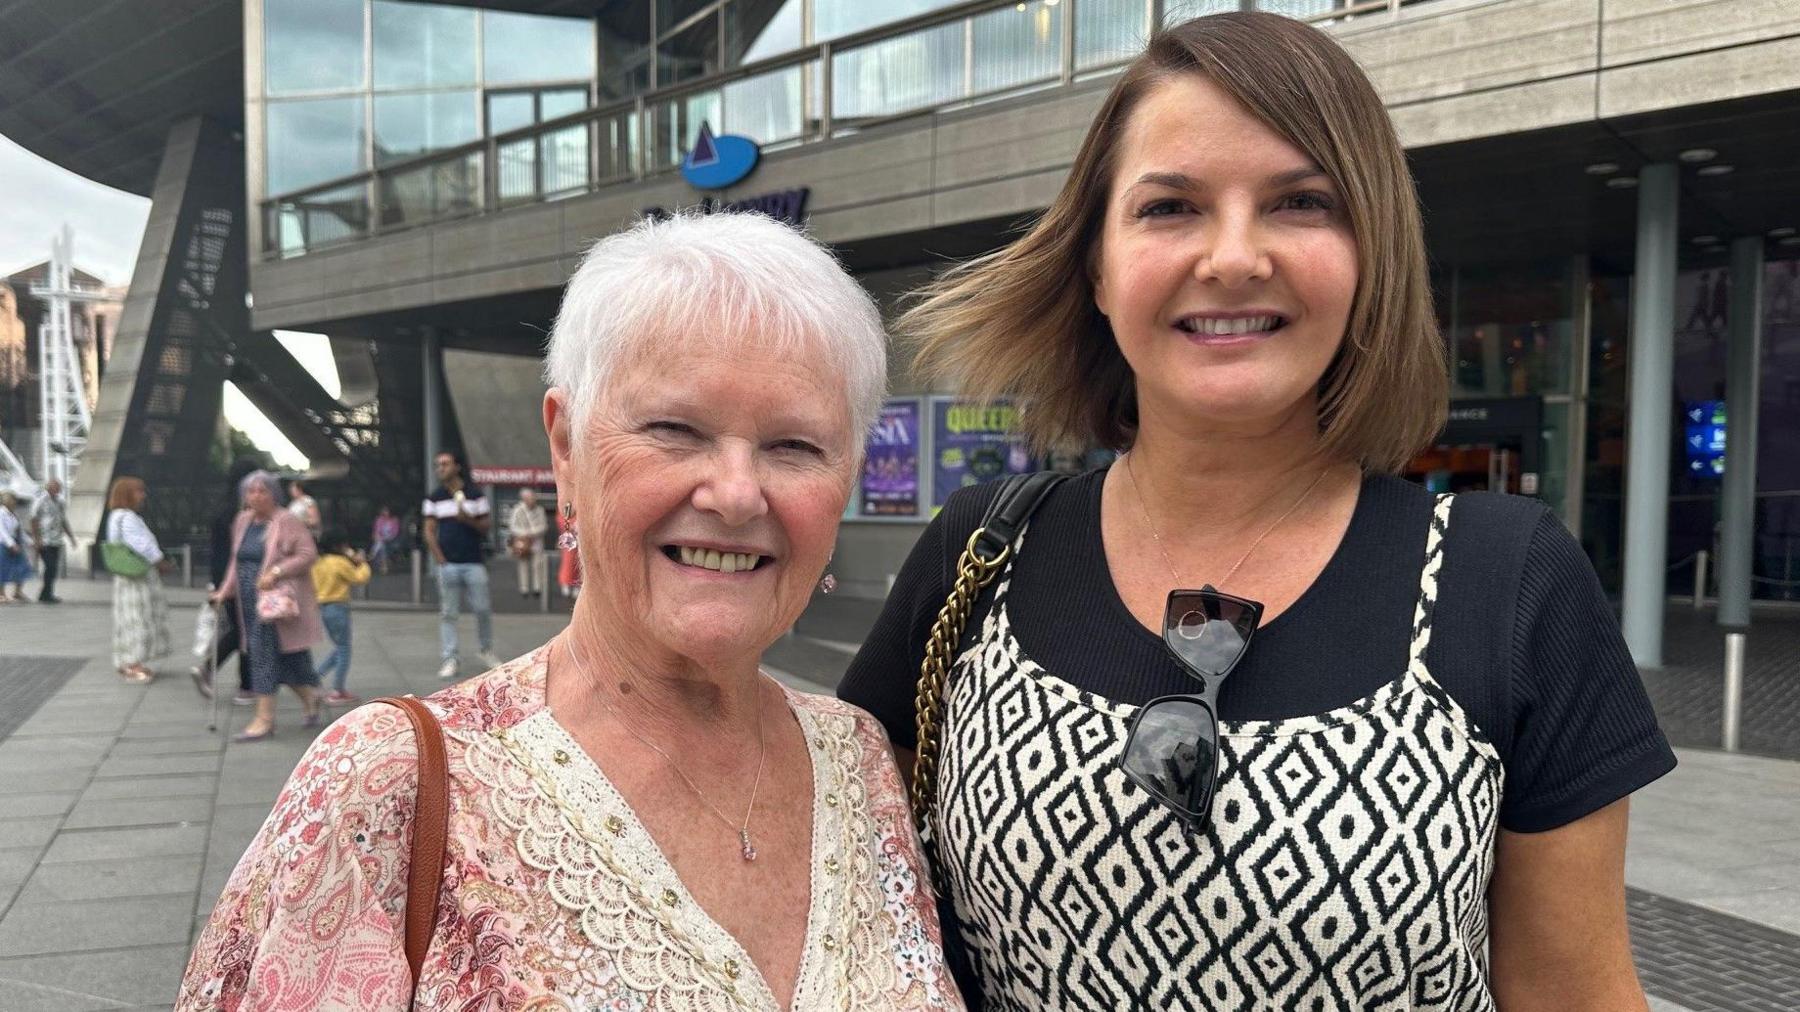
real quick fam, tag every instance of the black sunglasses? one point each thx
(1172, 750)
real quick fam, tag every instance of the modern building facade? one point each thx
(421, 177)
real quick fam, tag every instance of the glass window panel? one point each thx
(691, 53)
(835, 18)
(561, 102)
(757, 31)
(511, 110)
(319, 219)
(1513, 331)
(423, 45)
(1298, 8)
(767, 107)
(409, 125)
(1014, 47)
(1108, 31)
(535, 47)
(624, 66)
(1177, 11)
(312, 45)
(893, 76)
(678, 123)
(432, 191)
(564, 157)
(516, 171)
(312, 141)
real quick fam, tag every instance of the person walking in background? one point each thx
(525, 527)
(305, 507)
(457, 519)
(140, 612)
(49, 530)
(15, 565)
(340, 567)
(384, 539)
(270, 579)
(229, 634)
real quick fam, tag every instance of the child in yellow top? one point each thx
(339, 568)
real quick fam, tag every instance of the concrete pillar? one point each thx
(1737, 498)
(1652, 360)
(431, 357)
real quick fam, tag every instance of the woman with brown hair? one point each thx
(1409, 792)
(140, 612)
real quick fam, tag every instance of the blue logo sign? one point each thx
(719, 161)
(1704, 438)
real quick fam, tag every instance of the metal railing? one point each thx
(973, 52)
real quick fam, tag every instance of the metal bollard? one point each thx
(1700, 559)
(1734, 689)
(187, 565)
(418, 577)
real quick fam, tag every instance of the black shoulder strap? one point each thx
(1018, 498)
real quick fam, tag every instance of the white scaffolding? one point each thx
(65, 417)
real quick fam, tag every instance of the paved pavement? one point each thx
(121, 817)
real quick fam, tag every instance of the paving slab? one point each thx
(147, 841)
(126, 978)
(139, 766)
(30, 832)
(179, 785)
(113, 878)
(61, 927)
(97, 814)
(46, 803)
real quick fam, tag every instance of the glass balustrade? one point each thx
(952, 57)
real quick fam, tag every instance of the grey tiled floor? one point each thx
(121, 817)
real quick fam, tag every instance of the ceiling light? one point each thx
(1782, 232)
(1704, 240)
(1716, 170)
(1695, 155)
(1714, 249)
(1622, 182)
(1792, 240)
(1602, 168)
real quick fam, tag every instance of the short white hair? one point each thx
(721, 277)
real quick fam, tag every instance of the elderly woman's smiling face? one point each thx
(708, 486)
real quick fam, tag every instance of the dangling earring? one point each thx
(829, 582)
(567, 541)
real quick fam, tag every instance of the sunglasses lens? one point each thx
(1207, 631)
(1172, 750)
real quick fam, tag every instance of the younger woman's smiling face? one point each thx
(1227, 264)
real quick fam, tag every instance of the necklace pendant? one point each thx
(749, 851)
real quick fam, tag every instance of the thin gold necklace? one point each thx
(741, 828)
(1150, 525)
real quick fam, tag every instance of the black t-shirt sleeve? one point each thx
(1583, 734)
(884, 675)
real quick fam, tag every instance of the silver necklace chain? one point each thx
(1150, 525)
(741, 829)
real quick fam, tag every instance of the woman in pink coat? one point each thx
(272, 554)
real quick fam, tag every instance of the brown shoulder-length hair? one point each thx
(123, 494)
(1021, 322)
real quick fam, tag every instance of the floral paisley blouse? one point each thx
(554, 895)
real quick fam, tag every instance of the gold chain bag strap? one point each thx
(986, 552)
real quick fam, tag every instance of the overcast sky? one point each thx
(37, 198)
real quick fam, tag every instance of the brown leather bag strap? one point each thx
(430, 832)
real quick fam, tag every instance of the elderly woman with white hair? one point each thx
(637, 816)
(269, 578)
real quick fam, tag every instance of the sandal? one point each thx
(245, 735)
(137, 674)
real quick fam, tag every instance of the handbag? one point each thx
(430, 833)
(982, 558)
(120, 560)
(206, 632)
(275, 604)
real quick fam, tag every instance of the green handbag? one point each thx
(120, 560)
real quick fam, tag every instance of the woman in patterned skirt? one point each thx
(272, 553)
(639, 818)
(140, 612)
(1245, 721)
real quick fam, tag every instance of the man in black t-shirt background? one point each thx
(457, 518)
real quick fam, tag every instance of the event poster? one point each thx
(972, 443)
(890, 480)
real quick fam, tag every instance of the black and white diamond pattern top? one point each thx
(1345, 866)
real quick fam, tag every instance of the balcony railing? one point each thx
(974, 52)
